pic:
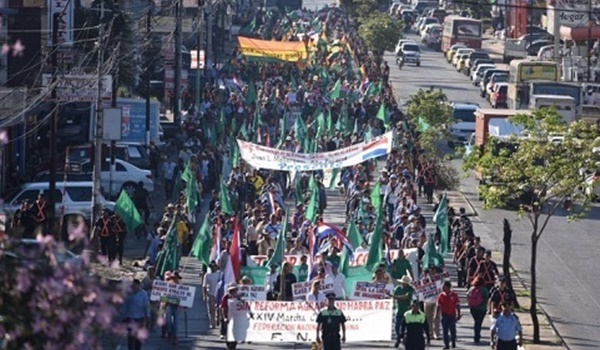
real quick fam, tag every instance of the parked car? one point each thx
(496, 78)
(478, 72)
(498, 95)
(125, 176)
(32, 251)
(464, 126)
(76, 201)
(486, 79)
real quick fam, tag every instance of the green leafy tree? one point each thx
(380, 33)
(430, 112)
(542, 173)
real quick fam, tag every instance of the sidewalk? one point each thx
(551, 340)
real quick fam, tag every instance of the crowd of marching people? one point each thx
(336, 101)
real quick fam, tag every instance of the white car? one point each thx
(460, 52)
(76, 201)
(427, 21)
(402, 42)
(125, 176)
(477, 73)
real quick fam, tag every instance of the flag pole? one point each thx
(284, 237)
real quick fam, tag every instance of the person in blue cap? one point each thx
(329, 321)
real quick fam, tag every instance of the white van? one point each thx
(72, 198)
(566, 106)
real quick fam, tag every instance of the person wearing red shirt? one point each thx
(449, 307)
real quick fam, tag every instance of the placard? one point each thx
(369, 291)
(258, 260)
(430, 287)
(302, 289)
(178, 294)
(278, 321)
(252, 292)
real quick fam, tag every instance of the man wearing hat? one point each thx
(403, 295)
(414, 326)
(232, 290)
(329, 321)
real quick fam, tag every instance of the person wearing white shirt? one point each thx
(209, 285)
(392, 195)
(339, 282)
(270, 282)
(316, 296)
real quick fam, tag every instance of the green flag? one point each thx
(127, 211)
(191, 195)
(187, 172)
(300, 129)
(298, 189)
(432, 257)
(321, 127)
(344, 261)
(277, 257)
(313, 206)
(329, 122)
(376, 197)
(423, 125)
(244, 132)
(334, 179)
(441, 221)
(382, 115)
(375, 249)
(251, 94)
(203, 243)
(354, 236)
(283, 134)
(225, 200)
(168, 258)
(336, 93)
(234, 152)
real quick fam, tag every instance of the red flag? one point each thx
(234, 251)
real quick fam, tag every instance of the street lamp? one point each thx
(230, 13)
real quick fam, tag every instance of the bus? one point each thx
(461, 30)
(521, 73)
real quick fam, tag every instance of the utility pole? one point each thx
(99, 121)
(589, 43)
(199, 44)
(177, 90)
(209, 39)
(53, 118)
(148, 70)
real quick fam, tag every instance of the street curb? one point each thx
(523, 285)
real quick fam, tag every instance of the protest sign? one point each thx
(368, 290)
(178, 294)
(268, 50)
(252, 292)
(258, 260)
(278, 321)
(262, 157)
(430, 287)
(302, 289)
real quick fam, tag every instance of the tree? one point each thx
(540, 175)
(431, 113)
(380, 33)
(507, 238)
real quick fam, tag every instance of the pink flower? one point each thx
(90, 297)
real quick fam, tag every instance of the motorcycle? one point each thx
(400, 61)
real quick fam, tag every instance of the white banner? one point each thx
(277, 321)
(302, 289)
(262, 157)
(368, 290)
(252, 292)
(178, 294)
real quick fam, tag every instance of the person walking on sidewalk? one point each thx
(505, 330)
(168, 170)
(449, 309)
(477, 298)
(137, 313)
(210, 284)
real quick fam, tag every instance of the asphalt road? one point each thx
(567, 254)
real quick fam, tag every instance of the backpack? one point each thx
(475, 297)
